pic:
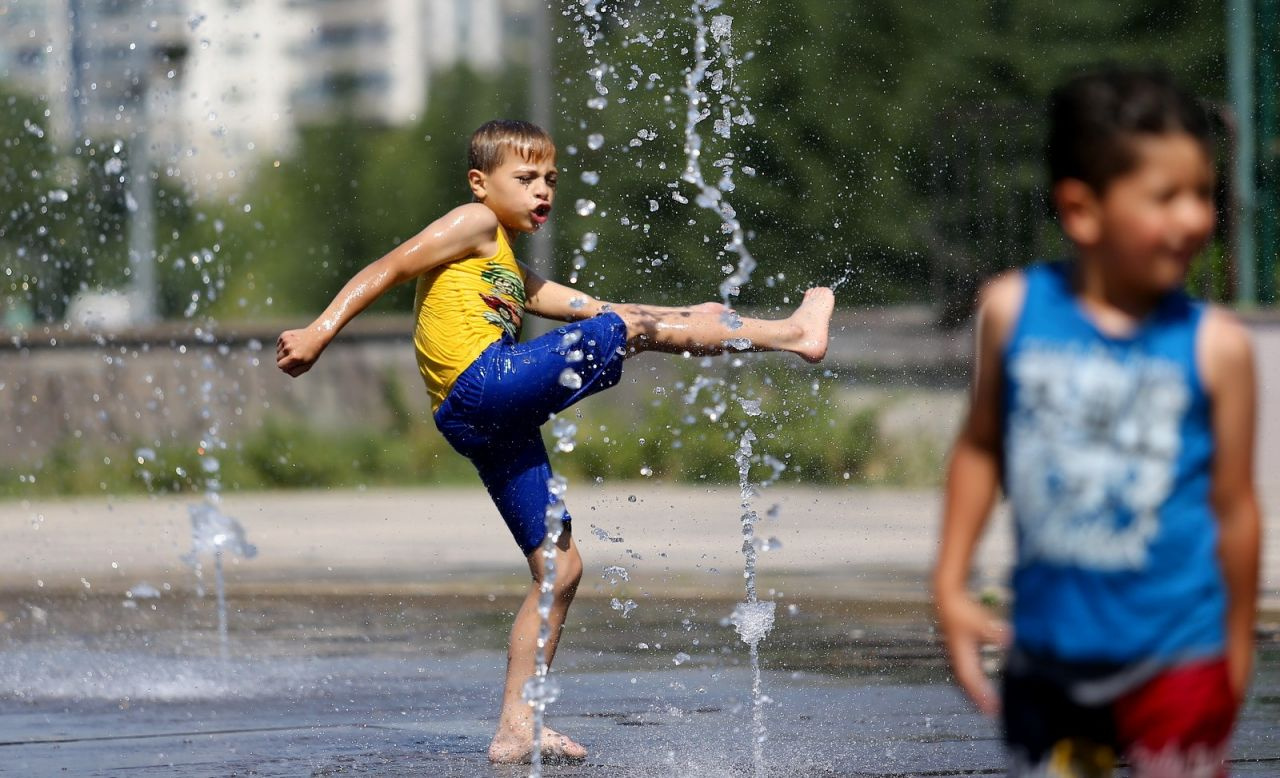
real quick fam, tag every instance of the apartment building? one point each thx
(217, 84)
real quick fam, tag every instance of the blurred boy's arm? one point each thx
(462, 232)
(973, 476)
(1226, 357)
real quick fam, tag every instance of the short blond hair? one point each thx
(489, 143)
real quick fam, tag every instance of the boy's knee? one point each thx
(568, 573)
(640, 325)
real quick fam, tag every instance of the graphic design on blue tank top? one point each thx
(1093, 444)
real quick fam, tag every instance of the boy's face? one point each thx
(1151, 222)
(520, 191)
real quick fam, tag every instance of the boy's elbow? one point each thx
(1239, 510)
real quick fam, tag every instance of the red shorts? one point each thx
(1176, 725)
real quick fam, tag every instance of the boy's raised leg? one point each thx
(700, 330)
(513, 742)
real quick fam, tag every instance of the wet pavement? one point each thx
(367, 637)
(392, 684)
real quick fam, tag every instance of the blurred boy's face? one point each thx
(520, 191)
(1151, 222)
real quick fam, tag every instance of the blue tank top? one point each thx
(1107, 457)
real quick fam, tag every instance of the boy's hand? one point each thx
(966, 627)
(298, 350)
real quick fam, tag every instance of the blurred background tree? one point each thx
(895, 153)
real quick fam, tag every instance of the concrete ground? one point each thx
(366, 636)
(843, 543)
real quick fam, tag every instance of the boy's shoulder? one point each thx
(1223, 345)
(1000, 303)
(474, 216)
(476, 228)
(1223, 324)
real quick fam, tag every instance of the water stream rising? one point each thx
(541, 689)
(752, 619)
(212, 531)
(701, 108)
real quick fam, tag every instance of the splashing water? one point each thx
(214, 532)
(753, 619)
(712, 94)
(711, 197)
(589, 28)
(541, 690)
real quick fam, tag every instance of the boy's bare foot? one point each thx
(813, 317)
(517, 748)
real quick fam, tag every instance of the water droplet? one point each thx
(570, 338)
(584, 207)
(594, 141)
(570, 379)
(625, 606)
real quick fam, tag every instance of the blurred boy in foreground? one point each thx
(1118, 415)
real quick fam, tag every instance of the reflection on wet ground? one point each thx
(874, 642)
(398, 685)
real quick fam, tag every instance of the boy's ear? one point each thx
(1079, 211)
(478, 183)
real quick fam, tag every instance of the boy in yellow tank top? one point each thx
(491, 393)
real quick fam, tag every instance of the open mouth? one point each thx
(541, 213)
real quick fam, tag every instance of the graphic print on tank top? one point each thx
(503, 313)
(1092, 447)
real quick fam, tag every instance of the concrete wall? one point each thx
(163, 387)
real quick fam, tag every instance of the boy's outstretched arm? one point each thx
(1226, 359)
(973, 476)
(465, 231)
(552, 300)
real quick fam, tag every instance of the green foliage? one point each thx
(691, 437)
(895, 152)
(351, 192)
(855, 103)
(61, 215)
(1210, 275)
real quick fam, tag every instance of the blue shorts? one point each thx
(492, 414)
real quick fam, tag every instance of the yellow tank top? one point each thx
(462, 307)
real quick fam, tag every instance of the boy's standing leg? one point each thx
(514, 738)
